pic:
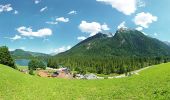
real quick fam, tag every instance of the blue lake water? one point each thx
(22, 62)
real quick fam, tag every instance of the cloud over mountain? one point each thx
(92, 27)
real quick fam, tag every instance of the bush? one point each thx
(31, 72)
(34, 64)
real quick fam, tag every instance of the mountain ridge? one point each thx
(128, 42)
(22, 54)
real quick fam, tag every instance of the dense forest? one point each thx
(127, 50)
(106, 65)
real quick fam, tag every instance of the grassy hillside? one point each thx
(153, 83)
(21, 54)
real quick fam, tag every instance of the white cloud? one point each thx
(11, 49)
(81, 38)
(57, 20)
(62, 19)
(144, 19)
(43, 9)
(52, 23)
(73, 12)
(61, 49)
(139, 28)
(92, 27)
(16, 37)
(23, 48)
(127, 7)
(5, 8)
(15, 12)
(122, 25)
(105, 27)
(39, 33)
(155, 34)
(37, 1)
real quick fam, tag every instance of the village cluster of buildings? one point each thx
(62, 73)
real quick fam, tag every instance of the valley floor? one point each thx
(152, 83)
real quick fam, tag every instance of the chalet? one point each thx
(62, 73)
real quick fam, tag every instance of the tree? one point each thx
(5, 57)
(80, 70)
(34, 64)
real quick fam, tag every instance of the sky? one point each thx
(54, 26)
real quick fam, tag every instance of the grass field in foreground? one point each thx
(152, 83)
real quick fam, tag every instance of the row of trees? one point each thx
(5, 57)
(105, 65)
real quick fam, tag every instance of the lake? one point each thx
(22, 62)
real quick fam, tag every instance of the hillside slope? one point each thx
(21, 54)
(150, 84)
(167, 42)
(125, 42)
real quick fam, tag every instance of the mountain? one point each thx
(21, 54)
(125, 42)
(127, 50)
(167, 42)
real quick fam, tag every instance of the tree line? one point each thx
(105, 65)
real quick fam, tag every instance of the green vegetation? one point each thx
(31, 72)
(5, 57)
(22, 67)
(150, 84)
(21, 54)
(34, 64)
(127, 50)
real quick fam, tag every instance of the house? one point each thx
(87, 76)
(90, 76)
(79, 76)
(62, 73)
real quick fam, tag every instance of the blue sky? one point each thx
(56, 25)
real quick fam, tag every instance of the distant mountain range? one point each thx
(125, 42)
(21, 54)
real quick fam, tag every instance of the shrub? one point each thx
(31, 72)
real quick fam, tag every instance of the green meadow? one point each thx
(151, 84)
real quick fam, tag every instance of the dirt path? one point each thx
(133, 72)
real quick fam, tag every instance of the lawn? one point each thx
(152, 83)
(22, 67)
